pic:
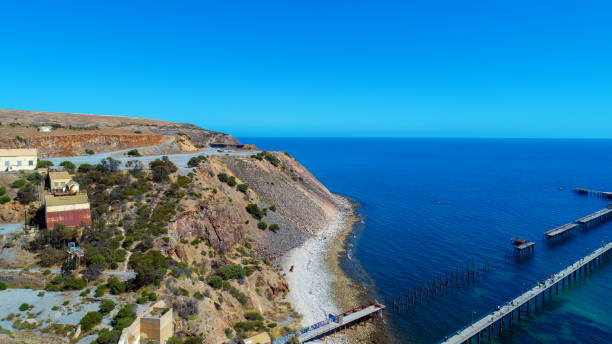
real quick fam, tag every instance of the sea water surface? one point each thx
(431, 205)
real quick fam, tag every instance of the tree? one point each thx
(161, 169)
(196, 160)
(231, 181)
(109, 165)
(96, 264)
(26, 194)
(135, 166)
(68, 165)
(149, 267)
(84, 168)
(262, 225)
(43, 164)
(115, 286)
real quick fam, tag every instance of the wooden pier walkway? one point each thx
(595, 218)
(521, 304)
(333, 323)
(560, 231)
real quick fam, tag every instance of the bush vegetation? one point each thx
(90, 320)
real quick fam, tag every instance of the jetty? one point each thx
(560, 231)
(593, 219)
(594, 193)
(538, 294)
(334, 323)
(522, 246)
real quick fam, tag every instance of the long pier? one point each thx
(595, 218)
(488, 323)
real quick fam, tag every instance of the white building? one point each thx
(45, 129)
(18, 159)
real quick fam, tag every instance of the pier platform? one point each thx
(520, 304)
(560, 231)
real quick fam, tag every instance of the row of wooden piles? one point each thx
(438, 287)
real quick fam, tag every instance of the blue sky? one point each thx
(318, 68)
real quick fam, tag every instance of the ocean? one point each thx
(430, 206)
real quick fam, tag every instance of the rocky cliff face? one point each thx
(71, 145)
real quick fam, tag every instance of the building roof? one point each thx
(258, 338)
(18, 152)
(52, 201)
(59, 175)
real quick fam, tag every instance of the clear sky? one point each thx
(318, 68)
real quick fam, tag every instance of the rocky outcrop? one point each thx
(11, 212)
(212, 223)
(71, 145)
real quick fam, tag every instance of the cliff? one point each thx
(77, 143)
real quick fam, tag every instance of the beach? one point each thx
(314, 276)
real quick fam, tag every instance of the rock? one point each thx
(11, 212)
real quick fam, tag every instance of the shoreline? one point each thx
(318, 285)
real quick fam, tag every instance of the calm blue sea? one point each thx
(430, 205)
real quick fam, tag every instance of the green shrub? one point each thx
(231, 181)
(115, 286)
(24, 307)
(215, 281)
(141, 300)
(161, 169)
(274, 227)
(183, 181)
(107, 306)
(18, 183)
(3, 285)
(90, 320)
(230, 271)
(242, 188)
(253, 316)
(223, 177)
(100, 290)
(254, 210)
(2, 190)
(272, 207)
(72, 283)
(196, 160)
(43, 164)
(262, 225)
(4, 199)
(133, 152)
(84, 168)
(198, 295)
(68, 165)
(89, 151)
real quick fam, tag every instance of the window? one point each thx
(7, 163)
(31, 163)
(19, 162)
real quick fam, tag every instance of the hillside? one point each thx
(207, 243)
(75, 133)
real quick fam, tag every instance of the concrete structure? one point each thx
(45, 129)
(18, 159)
(67, 210)
(486, 325)
(155, 324)
(262, 338)
(57, 181)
